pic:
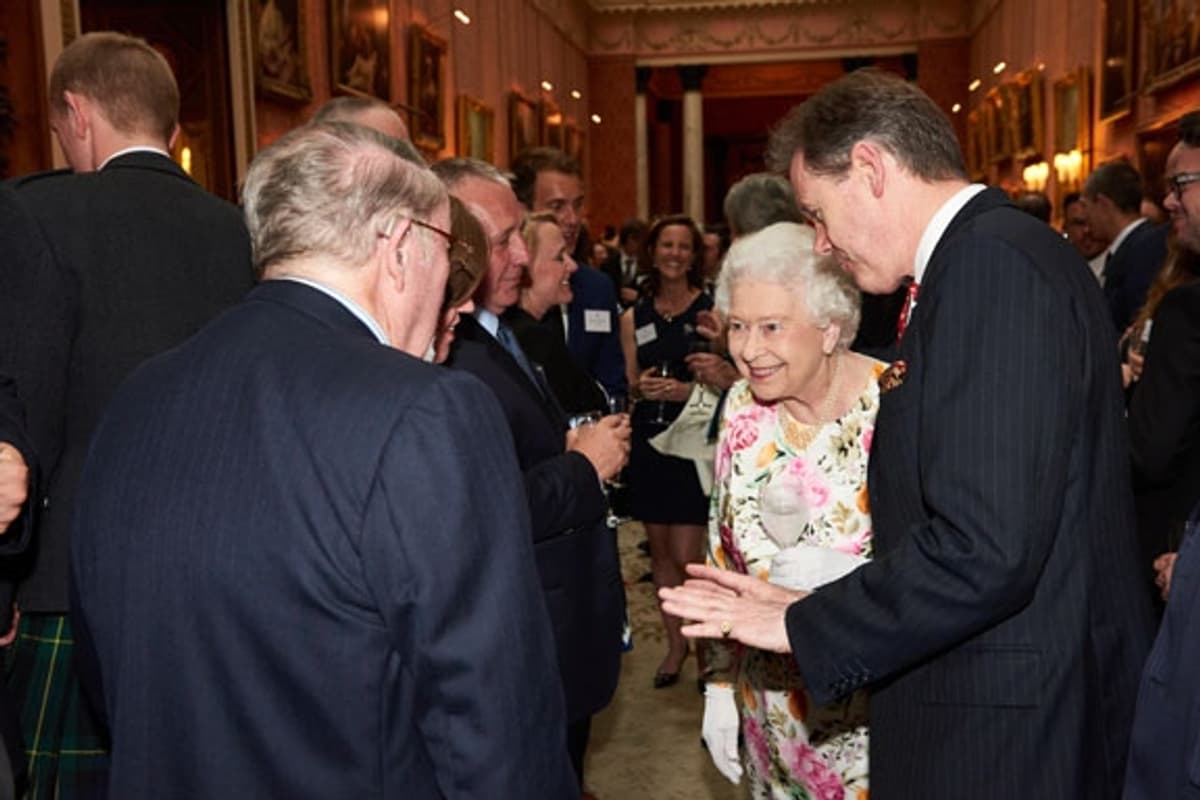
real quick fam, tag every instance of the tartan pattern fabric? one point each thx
(66, 749)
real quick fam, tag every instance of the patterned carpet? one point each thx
(647, 743)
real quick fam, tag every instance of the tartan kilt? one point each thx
(66, 747)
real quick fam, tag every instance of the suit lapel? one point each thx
(470, 330)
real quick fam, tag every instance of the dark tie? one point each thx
(910, 300)
(509, 342)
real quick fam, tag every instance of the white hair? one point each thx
(782, 255)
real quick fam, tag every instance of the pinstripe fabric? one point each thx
(1002, 627)
(66, 751)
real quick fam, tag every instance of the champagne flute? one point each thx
(662, 371)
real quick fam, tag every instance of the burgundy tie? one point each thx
(910, 300)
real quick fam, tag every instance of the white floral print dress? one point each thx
(791, 749)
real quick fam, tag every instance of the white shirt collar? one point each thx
(144, 148)
(489, 321)
(1123, 235)
(351, 306)
(938, 224)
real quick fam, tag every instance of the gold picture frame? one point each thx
(476, 123)
(1026, 116)
(360, 47)
(278, 28)
(426, 88)
(522, 123)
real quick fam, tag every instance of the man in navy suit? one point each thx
(547, 179)
(1002, 625)
(304, 571)
(1164, 755)
(1113, 200)
(576, 551)
(141, 257)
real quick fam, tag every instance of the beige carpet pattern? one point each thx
(646, 744)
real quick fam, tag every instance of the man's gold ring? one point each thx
(726, 629)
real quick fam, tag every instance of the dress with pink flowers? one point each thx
(791, 749)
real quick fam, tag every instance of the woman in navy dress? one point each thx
(657, 334)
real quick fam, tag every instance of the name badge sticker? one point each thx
(645, 334)
(597, 320)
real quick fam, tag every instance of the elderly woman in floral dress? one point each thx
(789, 504)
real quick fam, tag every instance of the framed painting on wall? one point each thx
(976, 151)
(426, 90)
(1171, 41)
(1026, 116)
(280, 59)
(522, 123)
(573, 142)
(360, 47)
(1116, 58)
(1073, 112)
(997, 130)
(475, 125)
(550, 124)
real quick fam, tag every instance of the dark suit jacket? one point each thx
(141, 258)
(1164, 751)
(307, 574)
(1002, 625)
(1164, 425)
(597, 352)
(1128, 274)
(574, 389)
(575, 549)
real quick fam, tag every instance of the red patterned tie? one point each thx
(910, 300)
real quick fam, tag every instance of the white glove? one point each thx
(720, 730)
(804, 567)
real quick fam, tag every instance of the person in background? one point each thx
(547, 179)
(547, 285)
(789, 495)
(370, 112)
(1112, 198)
(1079, 233)
(657, 334)
(1035, 204)
(468, 265)
(622, 266)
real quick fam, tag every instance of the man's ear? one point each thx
(390, 248)
(174, 137)
(867, 159)
(79, 114)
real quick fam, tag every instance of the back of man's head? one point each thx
(758, 200)
(367, 111)
(126, 78)
(532, 161)
(1035, 204)
(453, 171)
(868, 104)
(1120, 183)
(329, 190)
(1189, 129)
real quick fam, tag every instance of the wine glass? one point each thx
(663, 370)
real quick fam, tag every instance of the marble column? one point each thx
(642, 77)
(692, 75)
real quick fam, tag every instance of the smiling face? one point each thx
(774, 342)
(1184, 209)
(674, 252)
(550, 268)
(851, 224)
(497, 209)
(562, 195)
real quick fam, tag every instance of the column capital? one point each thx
(692, 76)
(641, 78)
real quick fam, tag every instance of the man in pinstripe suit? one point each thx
(1002, 626)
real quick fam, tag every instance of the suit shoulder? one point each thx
(42, 178)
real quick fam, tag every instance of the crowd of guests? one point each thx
(316, 497)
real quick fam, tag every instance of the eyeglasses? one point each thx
(1176, 183)
(456, 247)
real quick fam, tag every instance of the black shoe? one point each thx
(664, 679)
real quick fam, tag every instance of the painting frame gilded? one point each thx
(1116, 79)
(360, 51)
(476, 129)
(523, 128)
(1171, 47)
(278, 30)
(1026, 115)
(427, 87)
(997, 130)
